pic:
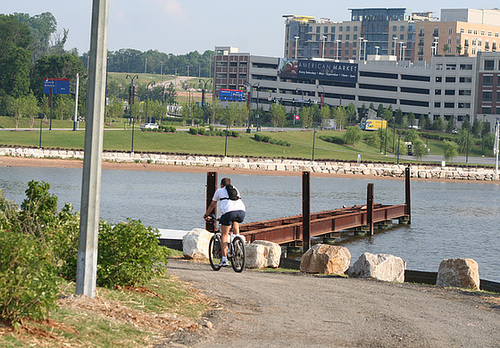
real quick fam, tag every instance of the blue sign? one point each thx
(318, 70)
(232, 94)
(59, 86)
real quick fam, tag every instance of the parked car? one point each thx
(149, 126)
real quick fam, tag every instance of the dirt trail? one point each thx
(264, 309)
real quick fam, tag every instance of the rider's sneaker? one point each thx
(224, 264)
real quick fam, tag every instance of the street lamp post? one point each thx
(314, 143)
(376, 50)
(323, 48)
(296, 46)
(131, 102)
(395, 39)
(203, 98)
(359, 48)
(364, 49)
(151, 83)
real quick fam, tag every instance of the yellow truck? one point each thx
(372, 125)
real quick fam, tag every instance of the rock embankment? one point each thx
(246, 163)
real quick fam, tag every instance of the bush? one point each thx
(129, 254)
(168, 129)
(333, 139)
(28, 278)
(267, 139)
(201, 131)
(193, 131)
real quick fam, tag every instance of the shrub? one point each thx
(193, 131)
(129, 254)
(28, 278)
(333, 139)
(201, 131)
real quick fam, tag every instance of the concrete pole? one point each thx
(86, 270)
(75, 120)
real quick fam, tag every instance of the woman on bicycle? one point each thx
(233, 212)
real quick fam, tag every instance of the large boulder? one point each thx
(381, 266)
(326, 259)
(458, 272)
(262, 254)
(195, 244)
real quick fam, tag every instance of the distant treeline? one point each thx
(134, 61)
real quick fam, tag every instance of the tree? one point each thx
(487, 143)
(465, 140)
(459, 50)
(419, 149)
(398, 117)
(63, 66)
(278, 115)
(339, 114)
(446, 48)
(387, 114)
(476, 126)
(351, 113)
(438, 124)
(450, 150)
(380, 110)
(325, 114)
(114, 109)
(25, 107)
(352, 135)
(42, 27)
(15, 53)
(450, 125)
(411, 119)
(466, 123)
(306, 116)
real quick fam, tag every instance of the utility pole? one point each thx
(86, 269)
(75, 120)
(496, 149)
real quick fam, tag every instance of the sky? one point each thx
(183, 26)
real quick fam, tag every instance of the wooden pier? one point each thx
(298, 230)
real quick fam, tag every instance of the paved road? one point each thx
(296, 310)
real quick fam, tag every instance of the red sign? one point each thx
(297, 117)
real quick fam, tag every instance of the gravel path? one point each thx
(266, 309)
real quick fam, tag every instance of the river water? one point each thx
(448, 219)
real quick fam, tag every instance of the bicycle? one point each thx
(235, 251)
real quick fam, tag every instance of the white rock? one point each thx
(381, 266)
(262, 254)
(326, 259)
(195, 244)
(458, 272)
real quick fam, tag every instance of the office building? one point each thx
(449, 87)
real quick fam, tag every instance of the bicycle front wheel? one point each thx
(238, 254)
(215, 252)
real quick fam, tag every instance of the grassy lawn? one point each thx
(116, 138)
(134, 317)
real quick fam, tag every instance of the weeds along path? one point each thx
(295, 310)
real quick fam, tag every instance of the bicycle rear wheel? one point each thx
(238, 254)
(215, 252)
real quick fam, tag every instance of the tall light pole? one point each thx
(395, 39)
(151, 83)
(131, 102)
(364, 49)
(203, 98)
(86, 268)
(359, 48)
(296, 46)
(496, 149)
(338, 45)
(323, 50)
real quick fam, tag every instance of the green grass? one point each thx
(301, 142)
(117, 318)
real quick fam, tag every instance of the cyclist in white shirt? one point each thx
(232, 213)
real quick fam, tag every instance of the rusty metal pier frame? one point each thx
(300, 228)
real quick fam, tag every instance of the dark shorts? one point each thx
(228, 218)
